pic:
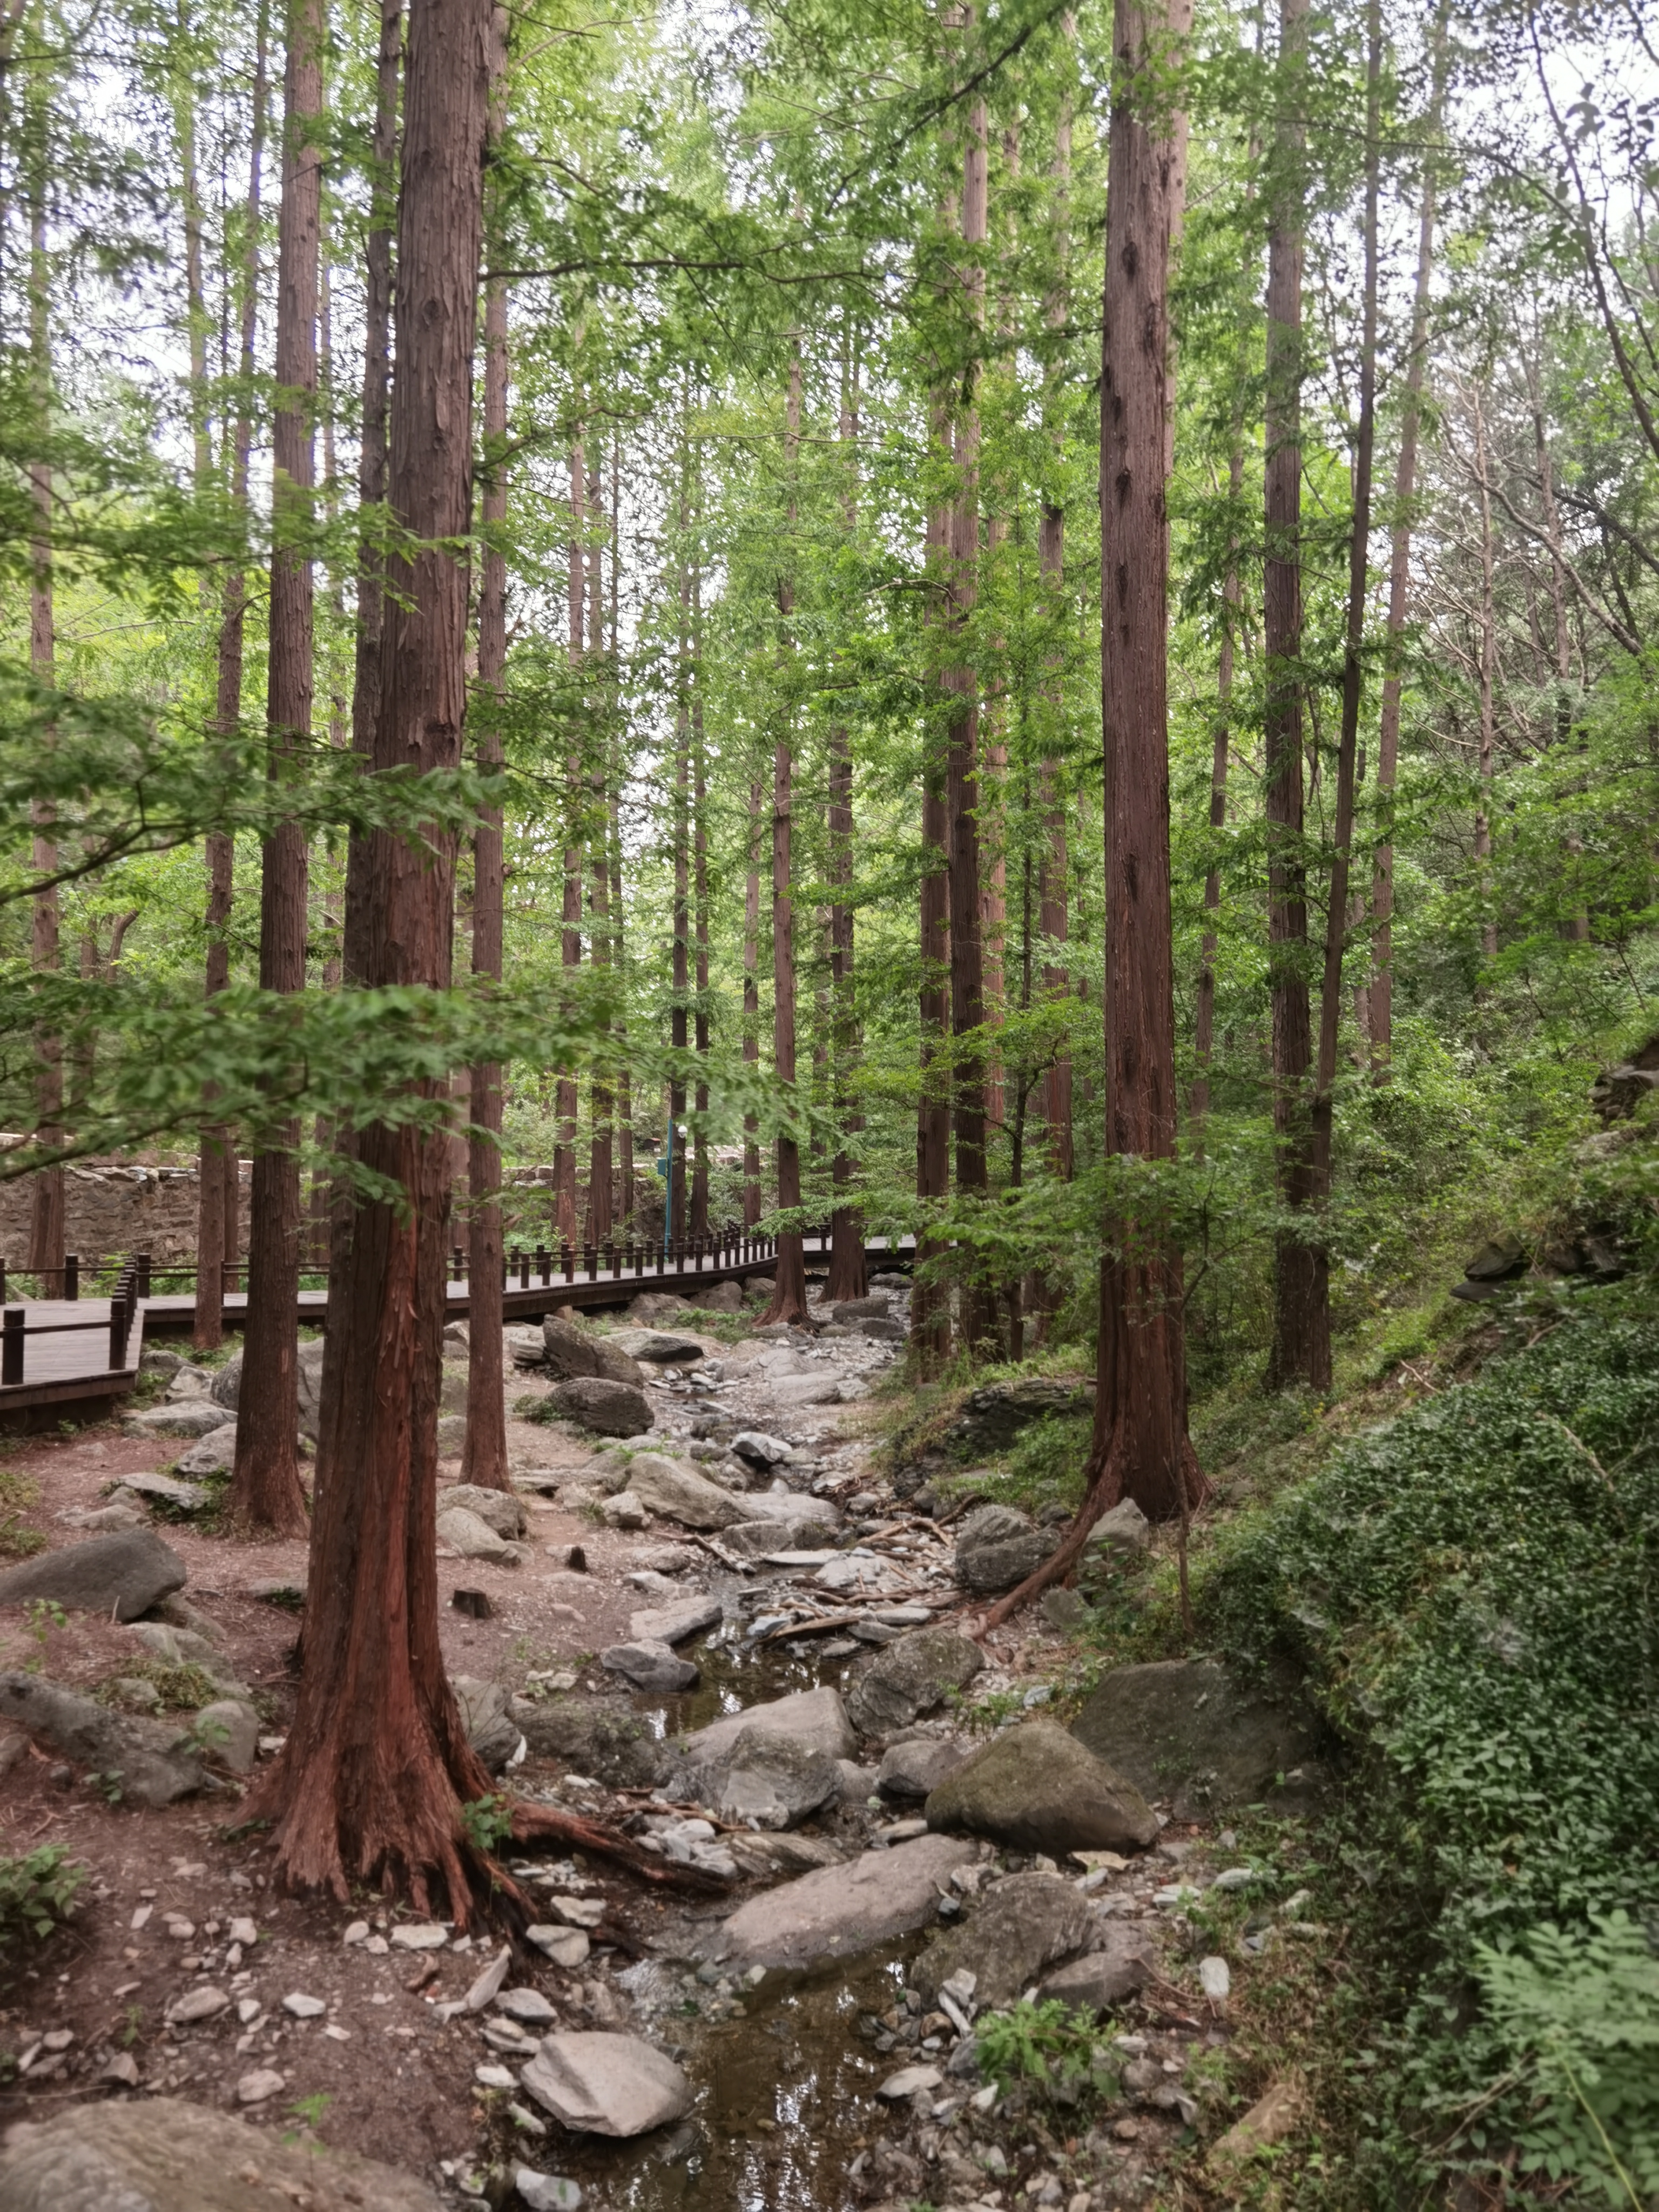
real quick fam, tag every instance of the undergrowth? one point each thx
(38, 1890)
(18, 1493)
(183, 1687)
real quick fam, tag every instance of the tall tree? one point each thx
(570, 938)
(1301, 1351)
(751, 1161)
(370, 1784)
(218, 1170)
(265, 1492)
(848, 1272)
(1052, 919)
(1140, 1447)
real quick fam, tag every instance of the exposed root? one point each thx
(545, 1823)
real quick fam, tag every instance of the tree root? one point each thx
(545, 1823)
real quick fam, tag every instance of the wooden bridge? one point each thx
(71, 1351)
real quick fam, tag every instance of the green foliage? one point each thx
(183, 1687)
(38, 1892)
(18, 1492)
(1580, 2009)
(486, 1822)
(41, 1615)
(1047, 2047)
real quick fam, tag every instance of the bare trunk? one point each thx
(752, 1165)
(930, 1311)
(565, 1101)
(47, 1220)
(1140, 1447)
(266, 1496)
(370, 1785)
(700, 921)
(848, 1277)
(483, 1453)
(1301, 1350)
(1204, 1020)
(1400, 551)
(1488, 677)
(678, 1026)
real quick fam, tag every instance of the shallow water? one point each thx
(735, 1675)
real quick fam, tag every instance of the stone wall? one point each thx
(112, 1207)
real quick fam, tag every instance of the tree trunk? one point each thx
(1204, 1020)
(601, 1222)
(680, 955)
(788, 1300)
(1336, 918)
(483, 1453)
(266, 1496)
(1301, 1351)
(848, 1277)
(1140, 1447)
(700, 917)
(751, 1167)
(1400, 553)
(46, 1221)
(930, 1311)
(1488, 676)
(370, 1787)
(218, 1188)
(570, 947)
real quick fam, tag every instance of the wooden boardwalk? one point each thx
(68, 1355)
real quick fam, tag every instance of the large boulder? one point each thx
(213, 1454)
(841, 1910)
(571, 1350)
(1021, 1925)
(649, 1665)
(675, 1622)
(503, 1510)
(1124, 1961)
(911, 1678)
(769, 1781)
(602, 1737)
(815, 1720)
(1193, 1731)
(227, 1385)
(1036, 1789)
(659, 1346)
(873, 1308)
(993, 1416)
(678, 1493)
(122, 1574)
(914, 1769)
(464, 1532)
(608, 1409)
(161, 2155)
(997, 1547)
(191, 1416)
(149, 1757)
(486, 1715)
(607, 2084)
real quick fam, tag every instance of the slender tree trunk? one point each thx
(700, 917)
(930, 1311)
(678, 1023)
(619, 962)
(483, 1453)
(265, 1493)
(1204, 1020)
(218, 1181)
(1300, 1343)
(377, 1765)
(601, 1222)
(788, 1300)
(1488, 674)
(1336, 919)
(565, 1100)
(1400, 553)
(752, 1163)
(849, 1278)
(1140, 1447)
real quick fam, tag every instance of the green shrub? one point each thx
(38, 1892)
(1048, 2048)
(18, 1492)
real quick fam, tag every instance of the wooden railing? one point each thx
(629, 1258)
(15, 1327)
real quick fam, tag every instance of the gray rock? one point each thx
(184, 1647)
(570, 1351)
(1067, 1610)
(914, 1768)
(451, 1435)
(842, 1910)
(679, 1493)
(649, 1307)
(608, 1409)
(195, 1417)
(806, 1390)
(673, 1623)
(882, 1328)
(1124, 1961)
(503, 1510)
(1021, 1925)
(603, 1737)
(758, 1540)
(814, 1719)
(873, 1308)
(997, 1547)
(624, 1510)
(993, 1416)
(1191, 1730)
(162, 1489)
(660, 1348)
(161, 2155)
(464, 1532)
(911, 1678)
(155, 1360)
(122, 1511)
(1125, 1528)
(607, 2084)
(120, 1575)
(228, 1730)
(1034, 1788)
(760, 1450)
(227, 1387)
(213, 1454)
(153, 1767)
(724, 1297)
(547, 2193)
(771, 1781)
(490, 1728)
(858, 1783)
(649, 1666)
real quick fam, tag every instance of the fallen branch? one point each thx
(545, 1824)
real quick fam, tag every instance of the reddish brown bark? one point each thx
(1204, 1019)
(678, 1017)
(1301, 1350)
(751, 1168)
(601, 1220)
(266, 1496)
(848, 1276)
(788, 1299)
(699, 916)
(483, 1452)
(46, 1218)
(930, 1311)
(570, 941)
(1140, 1447)
(369, 1786)
(218, 1188)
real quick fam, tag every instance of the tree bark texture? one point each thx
(930, 1311)
(751, 1164)
(1301, 1351)
(570, 942)
(377, 1765)
(265, 1493)
(848, 1276)
(1140, 1447)
(483, 1453)
(46, 1217)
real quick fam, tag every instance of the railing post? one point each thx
(457, 1260)
(543, 1264)
(119, 1322)
(2, 1282)
(143, 1274)
(71, 1274)
(568, 1261)
(11, 1346)
(524, 1266)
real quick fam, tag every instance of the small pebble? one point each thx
(302, 2006)
(255, 2088)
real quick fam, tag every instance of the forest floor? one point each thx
(784, 2115)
